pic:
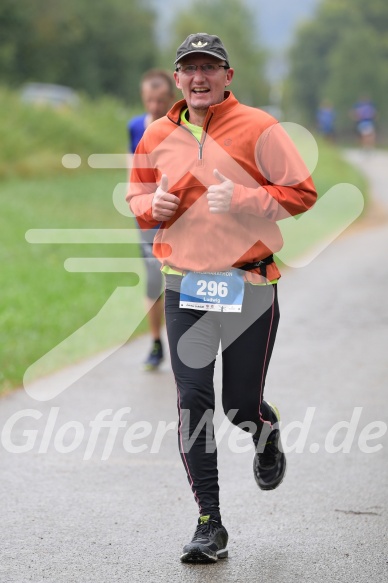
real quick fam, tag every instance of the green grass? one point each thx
(34, 138)
(305, 234)
(42, 304)
(332, 169)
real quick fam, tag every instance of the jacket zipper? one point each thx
(200, 144)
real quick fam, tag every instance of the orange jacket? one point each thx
(246, 145)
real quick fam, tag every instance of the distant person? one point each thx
(157, 90)
(326, 119)
(219, 176)
(364, 113)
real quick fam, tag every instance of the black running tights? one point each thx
(247, 340)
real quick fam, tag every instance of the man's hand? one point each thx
(164, 204)
(219, 196)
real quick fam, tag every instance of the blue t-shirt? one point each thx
(365, 111)
(325, 120)
(136, 127)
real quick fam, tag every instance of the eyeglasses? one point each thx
(208, 69)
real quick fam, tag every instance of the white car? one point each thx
(49, 94)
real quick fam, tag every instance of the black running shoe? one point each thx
(269, 465)
(155, 357)
(208, 543)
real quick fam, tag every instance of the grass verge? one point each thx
(342, 194)
(41, 303)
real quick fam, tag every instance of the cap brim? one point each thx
(203, 52)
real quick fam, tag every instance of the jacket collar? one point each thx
(214, 110)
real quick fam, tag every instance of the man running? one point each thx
(218, 175)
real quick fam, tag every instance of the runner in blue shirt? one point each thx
(326, 119)
(364, 114)
(158, 94)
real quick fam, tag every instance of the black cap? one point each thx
(201, 42)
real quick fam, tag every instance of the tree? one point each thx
(309, 57)
(340, 55)
(98, 47)
(346, 83)
(14, 28)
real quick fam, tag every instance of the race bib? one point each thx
(220, 291)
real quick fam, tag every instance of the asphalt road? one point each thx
(81, 504)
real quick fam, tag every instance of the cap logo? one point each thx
(199, 45)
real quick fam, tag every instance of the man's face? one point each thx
(156, 100)
(202, 90)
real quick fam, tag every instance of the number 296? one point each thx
(212, 288)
